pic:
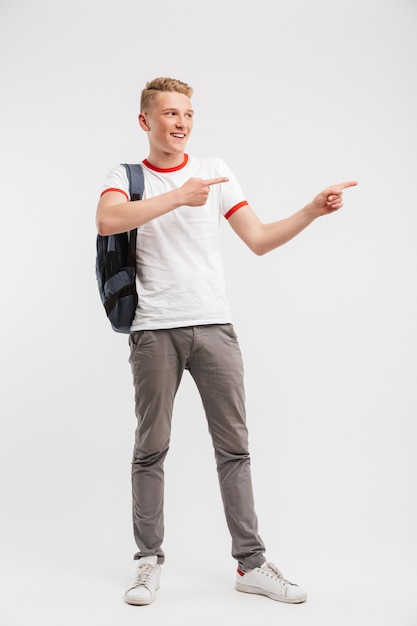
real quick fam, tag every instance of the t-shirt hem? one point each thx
(169, 325)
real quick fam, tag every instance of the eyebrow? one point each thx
(174, 109)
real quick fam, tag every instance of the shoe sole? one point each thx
(143, 602)
(263, 592)
(139, 602)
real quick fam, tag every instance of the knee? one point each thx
(148, 458)
(228, 457)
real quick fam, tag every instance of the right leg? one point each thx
(157, 368)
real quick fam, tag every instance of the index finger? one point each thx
(216, 181)
(351, 183)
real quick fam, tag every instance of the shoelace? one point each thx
(273, 571)
(144, 575)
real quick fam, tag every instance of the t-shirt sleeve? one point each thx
(232, 197)
(117, 180)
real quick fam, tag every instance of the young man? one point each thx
(183, 322)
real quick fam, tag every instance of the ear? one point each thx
(143, 122)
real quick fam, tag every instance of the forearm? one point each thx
(262, 238)
(274, 234)
(116, 217)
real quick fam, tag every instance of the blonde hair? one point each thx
(158, 85)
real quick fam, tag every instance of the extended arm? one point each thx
(262, 238)
(116, 215)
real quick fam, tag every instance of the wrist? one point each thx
(175, 199)
(310, 212)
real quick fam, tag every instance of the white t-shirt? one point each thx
(180, 277)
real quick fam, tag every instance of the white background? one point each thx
(295, 96)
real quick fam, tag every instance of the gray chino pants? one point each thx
(212, 355)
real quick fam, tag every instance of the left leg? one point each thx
(217, 368)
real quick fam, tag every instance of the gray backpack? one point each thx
(116, 265)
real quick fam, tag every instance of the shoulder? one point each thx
(116, 179)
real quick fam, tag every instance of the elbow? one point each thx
(257, 248)
(260, 251)
(103, 226)
(256, 242)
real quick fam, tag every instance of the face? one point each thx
(168, 123)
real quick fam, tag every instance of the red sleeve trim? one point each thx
(115, 189)
(235, 208)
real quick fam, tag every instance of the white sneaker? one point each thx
(267, 580)
(146, 582)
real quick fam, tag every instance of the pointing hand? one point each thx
(330, 199)
(196, 190)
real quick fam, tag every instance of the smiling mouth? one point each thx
(178, 135)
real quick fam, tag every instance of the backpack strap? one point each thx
(136, 181)
(136, 187)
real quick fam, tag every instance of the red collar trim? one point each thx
(166, 170)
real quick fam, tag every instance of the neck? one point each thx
(164, 160)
